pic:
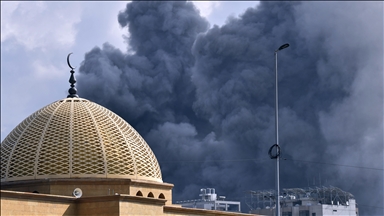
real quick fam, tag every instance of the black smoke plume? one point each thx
(203, 97)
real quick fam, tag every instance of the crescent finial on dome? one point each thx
(72, 91)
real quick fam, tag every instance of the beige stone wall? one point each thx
(94, 187)
(30, 187)
(23, 203)
(12, 206)
(132, 208)
(89, 190)
(100, 206)
(96, 208)
(155, 191)
(159, 190)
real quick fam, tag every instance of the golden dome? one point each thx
(76, 138)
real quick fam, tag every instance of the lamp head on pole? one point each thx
(283, 47)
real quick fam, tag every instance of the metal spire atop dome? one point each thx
(72, 91)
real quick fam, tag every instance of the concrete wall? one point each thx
(318, 210)
(134, 208)
(41, 187)
(24, 203)
(90, 189)
(98, 207)
(339, 210)
(93, 187)
(36, 206)
(156, 189)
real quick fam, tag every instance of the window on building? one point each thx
(304, 213)
(287, 214)
(139, 193)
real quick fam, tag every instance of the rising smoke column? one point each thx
(204, 98)
(331, 93)
(154, 81)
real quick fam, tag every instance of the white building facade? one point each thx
(210, 201)
(318, 201)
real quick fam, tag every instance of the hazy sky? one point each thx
(37, 36)
(202, 96)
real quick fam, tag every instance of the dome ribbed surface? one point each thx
(76, 138)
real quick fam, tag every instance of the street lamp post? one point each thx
(277, 133)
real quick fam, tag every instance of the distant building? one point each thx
(318, 201)
(210, 201)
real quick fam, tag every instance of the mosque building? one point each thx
(75, 157)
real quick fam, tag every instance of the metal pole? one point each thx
(277, 139)
(277, 133)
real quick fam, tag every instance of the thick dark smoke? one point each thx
(203, 98)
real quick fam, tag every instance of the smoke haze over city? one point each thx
(202, 95)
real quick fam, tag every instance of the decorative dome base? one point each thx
(93, 187)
